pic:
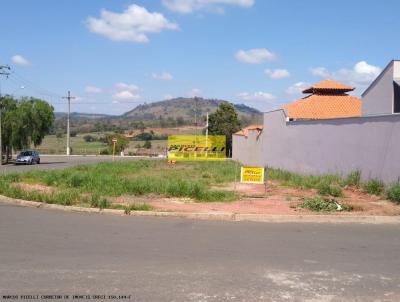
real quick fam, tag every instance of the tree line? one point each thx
(24, 122)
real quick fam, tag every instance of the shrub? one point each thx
(147, 145)
(374, 186)
(319, 204)
(327, 189)
(105, 151)
(89, 138)
(354, 178)
(393, 193)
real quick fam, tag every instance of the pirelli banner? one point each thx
(196, 147)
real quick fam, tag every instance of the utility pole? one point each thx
(207, 134)
(4, 70)
(69, 98)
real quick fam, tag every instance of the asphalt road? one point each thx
(46, 252)
(61, 161)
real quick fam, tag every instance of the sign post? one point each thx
(252, 175)
(114, 141)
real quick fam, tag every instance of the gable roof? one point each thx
(245, 131)
(326, 85)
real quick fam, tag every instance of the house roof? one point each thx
(327, 85)
(320, 106)
(245, 131)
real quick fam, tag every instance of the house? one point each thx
(331, 132)
(326, 99)
(382, 97)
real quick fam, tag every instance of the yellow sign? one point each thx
(252, 175)
(196, 147)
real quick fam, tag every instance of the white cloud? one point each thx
(189, 6)
(256, 96)
(164, 76)
(321, 72)
(92, 89)
(131, 25)
(297, 88)
(255, 55)
(277, 74)
(20, 60)
(361, 74)
(125, 95)
(128, 87)
(126, 92)
(194, 92)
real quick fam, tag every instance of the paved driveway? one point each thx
(61, 161)
(46, 252)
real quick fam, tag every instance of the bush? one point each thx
(374, 186)
(73, 133)
(333, 190)
(393, 193)
(319, 204)
(105, 151)
(89, 138)
(147, 145)
(354, 178)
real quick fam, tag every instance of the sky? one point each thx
(115, 55)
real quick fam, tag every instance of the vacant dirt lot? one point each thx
(274, 199)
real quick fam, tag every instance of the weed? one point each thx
(374, 186)
(318, 204)
(332, 190)
(354, 178)
(138, 207)
(393, 193)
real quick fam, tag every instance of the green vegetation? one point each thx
(354, 178)
(25, 122)
(329, 189)
(393, 193)
(95, 185)
(318, 204)
(224, 121)
(374, 186)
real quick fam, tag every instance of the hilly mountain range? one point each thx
(168, 113)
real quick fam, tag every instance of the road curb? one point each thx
(222, 216)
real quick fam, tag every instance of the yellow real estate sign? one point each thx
(252, 175)
(196, 147)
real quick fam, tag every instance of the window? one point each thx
(396, 97)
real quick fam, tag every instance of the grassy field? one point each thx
(91, 185)
(53, 145)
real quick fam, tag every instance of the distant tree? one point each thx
(141, 126)
(144, 136)
(180, 121)
(147, 145)
(122, 141)
(89, 138)
(224, 121)
(25, 122)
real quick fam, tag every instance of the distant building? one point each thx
(326, 99)
(382, 97)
